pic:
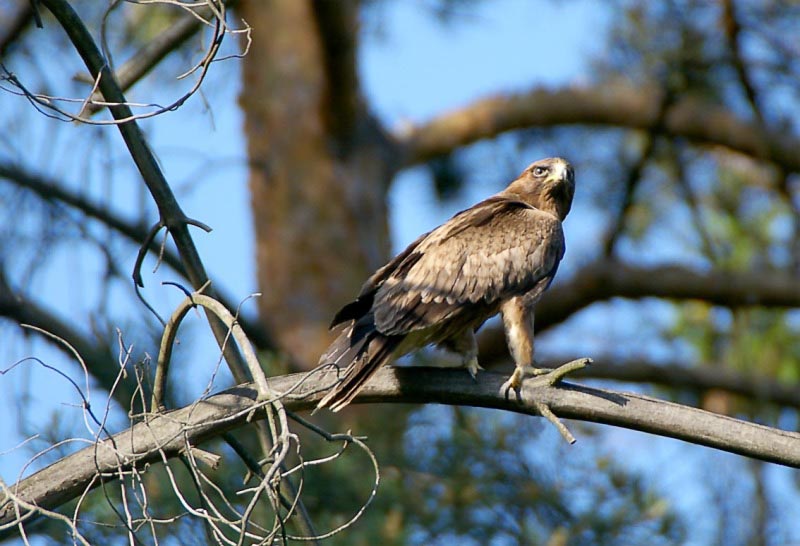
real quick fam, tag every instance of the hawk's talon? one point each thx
(519, 375)
(546, 377)
(472, 367)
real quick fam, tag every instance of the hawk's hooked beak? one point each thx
(564, 172)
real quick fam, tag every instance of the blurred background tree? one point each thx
(680, 275)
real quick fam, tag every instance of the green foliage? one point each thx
(745, 223)
(468, 476)
(481, 477)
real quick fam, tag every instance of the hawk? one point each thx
(498, 256)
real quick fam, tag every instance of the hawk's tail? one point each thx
(363, 353)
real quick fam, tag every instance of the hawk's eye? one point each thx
(540, 171)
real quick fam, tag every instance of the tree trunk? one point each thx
(318, 168)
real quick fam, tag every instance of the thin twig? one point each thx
(170, 212)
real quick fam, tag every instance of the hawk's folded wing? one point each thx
(497, 249)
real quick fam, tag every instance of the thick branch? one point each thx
(69, 477)
(618, 105)
(168, 207)
(607, 279)
(673, 375)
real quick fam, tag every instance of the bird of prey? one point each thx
(498, 256)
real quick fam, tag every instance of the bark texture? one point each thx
(317, 175)
(168, 434)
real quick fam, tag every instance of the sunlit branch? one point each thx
(615, 105)
(167, 434)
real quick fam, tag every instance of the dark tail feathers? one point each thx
(363, 351)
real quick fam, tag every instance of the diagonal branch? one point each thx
(169, 433)
(733, 29)
(636, 170)
(616, 105)
(678, 157)
(52, 190)
(156, 50)
(169, 209)
(632, 178)
(98, 356)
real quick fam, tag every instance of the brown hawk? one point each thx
(497, 256)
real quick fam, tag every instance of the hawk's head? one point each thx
(547, 184)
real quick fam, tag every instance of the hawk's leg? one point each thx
(465, 345)
(518, 322)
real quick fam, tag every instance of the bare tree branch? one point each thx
(156, 50)
(673, 375)
(633, 176)
(679, 158)
(618, 105)
(733, 29)
(53, 190)
(607, 279)
(169, 210)
(169, 433)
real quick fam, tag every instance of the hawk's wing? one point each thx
(495, 250)
(460, 272)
